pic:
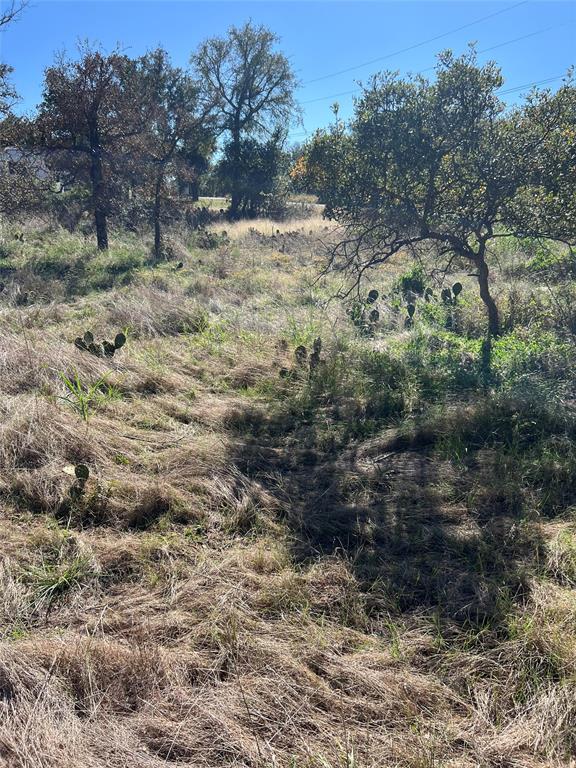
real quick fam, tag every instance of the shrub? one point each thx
(414, 280)
(531, 350)
(441, 361)
(549, 258)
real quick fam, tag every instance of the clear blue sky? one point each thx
(320, 38)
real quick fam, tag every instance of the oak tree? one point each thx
(257, 174)
(180, 131)
(444, 166)
(253, 85)
(91, 108)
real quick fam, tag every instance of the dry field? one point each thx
(365, 565)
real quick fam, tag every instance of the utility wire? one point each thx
(514, 40)
(531, 85)
(417, 45)
(428, 69)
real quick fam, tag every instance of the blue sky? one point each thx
(531, 41)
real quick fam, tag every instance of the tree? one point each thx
(253, 85)
(256, 175)
(90, 110)
(180, 131)
(545, 131)
(24, 179)
(7, 93)
(12, 9)
(442, 165)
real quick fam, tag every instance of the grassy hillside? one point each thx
(361, 562)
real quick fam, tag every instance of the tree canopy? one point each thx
(181, 129)
(443, 165)
(252, 83)
(91, 108)
(256, 174)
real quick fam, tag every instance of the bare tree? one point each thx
(7, 93)
(11, 11)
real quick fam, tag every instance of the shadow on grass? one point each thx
(420, 530)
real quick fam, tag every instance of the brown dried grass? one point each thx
(196, 637)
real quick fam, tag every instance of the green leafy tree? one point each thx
(257, 175)
(253, 85)
(443, 166)
(545, 132)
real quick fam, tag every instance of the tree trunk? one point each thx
(101, 229)
(235, 180)
(485, 295)
(156, 219)
(98, 191)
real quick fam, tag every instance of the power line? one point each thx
(428, 69)
(332, 96)
(417, 45)
(514, 40)
(531, 85)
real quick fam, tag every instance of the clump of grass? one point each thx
(65, 264)
(148, 314)
(84, 397)
(50, 581)
(15, 603)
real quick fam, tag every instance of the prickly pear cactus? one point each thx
(104, 348)
(108, 349)
(119, 340)
(82, 472)
(457, 289)
(301, 354)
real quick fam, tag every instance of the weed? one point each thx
(83, 397)
(412, 281)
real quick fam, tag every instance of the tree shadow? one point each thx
(420, 532)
